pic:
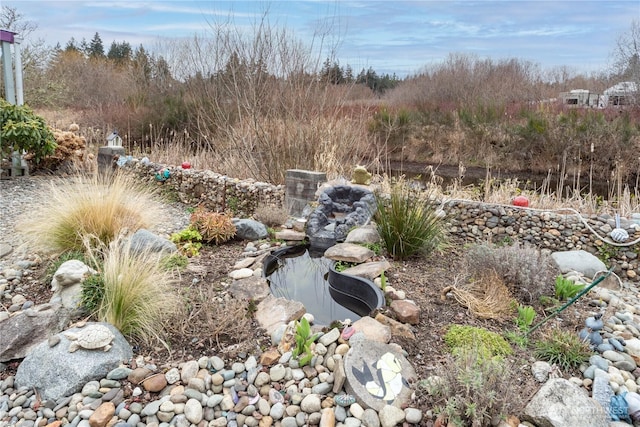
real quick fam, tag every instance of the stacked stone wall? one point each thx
(467, 221)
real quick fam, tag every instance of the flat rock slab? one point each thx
(252, 288)
(290, 235)
(273, 312)
(368, 270)
(378, 374)
(56, 373)
(348, 252)
(5, 250)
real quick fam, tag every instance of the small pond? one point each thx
(297, 274)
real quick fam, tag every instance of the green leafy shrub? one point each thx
(408, 222)
(562, 348)
(566, 288)
(526, 314)
(483, 342)
(471, 390)
(527, 271)
(23, 130)
(89, 212)
(304, 339)
(215, 227)
(188, 241)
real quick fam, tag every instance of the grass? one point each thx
(138, 292)
(563, 348)
(96, 209)
(408, 222)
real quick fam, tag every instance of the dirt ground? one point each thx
(213, 324)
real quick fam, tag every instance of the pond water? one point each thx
(298, 275)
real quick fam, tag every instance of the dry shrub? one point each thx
(271, 216)
(71, 152)
(528, 272)
(487, 297)
(471, 390)
(213, 317)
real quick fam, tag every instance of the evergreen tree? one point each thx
(120, 52)
(72, 46)
(95, 48)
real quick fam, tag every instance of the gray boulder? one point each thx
(145, 240)
(20, 333)
(56, 373)
(249, 229)
(560, 403)
(580, 261)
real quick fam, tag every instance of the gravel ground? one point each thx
(19, 195)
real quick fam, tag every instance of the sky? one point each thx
(401, 37)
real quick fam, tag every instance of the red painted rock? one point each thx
(521, 201)
(186, 165)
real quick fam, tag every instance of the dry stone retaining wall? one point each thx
(476, 222)
(472, 222)
(213, 191)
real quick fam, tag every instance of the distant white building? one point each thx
(623, 93)
(580, 98)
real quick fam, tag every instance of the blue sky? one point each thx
(390, 36)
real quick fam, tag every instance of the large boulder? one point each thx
(249, 229)
(581, 261)
(560, 403)
(56, 372)
(145, 240)
(377, 374)
(21, 332)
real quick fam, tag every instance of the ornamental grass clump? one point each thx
(139, 295)
(408, 222)
(98, 209)
(563, 348)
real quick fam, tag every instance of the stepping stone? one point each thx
(378, 375)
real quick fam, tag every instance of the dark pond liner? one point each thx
(357, 295)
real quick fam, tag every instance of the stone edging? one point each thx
(470, 221)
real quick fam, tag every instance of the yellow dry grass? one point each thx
(486, 297)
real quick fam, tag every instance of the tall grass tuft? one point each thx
(138, 292)
(98, 208)
(408, 222)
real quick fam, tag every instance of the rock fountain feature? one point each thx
(340, 209)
